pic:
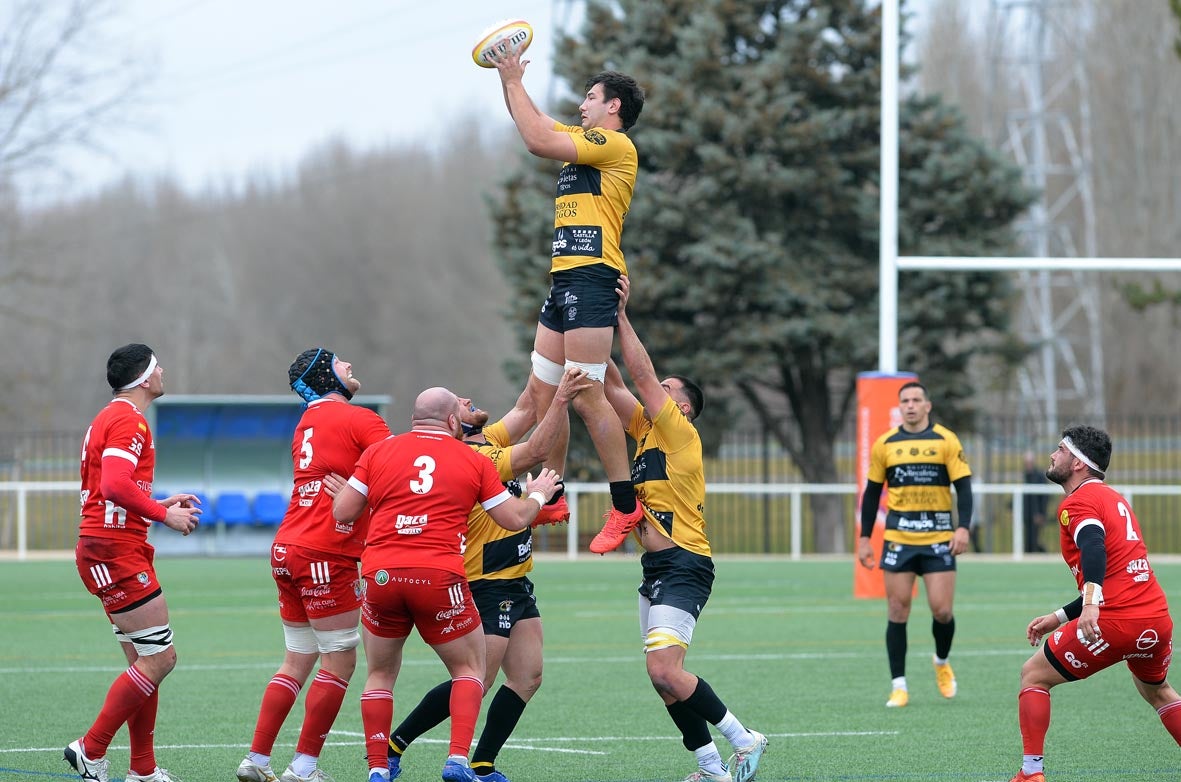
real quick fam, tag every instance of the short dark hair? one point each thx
(695, 394)
(914, 384)
(126, 364)
(618, 85)
(1093, 442)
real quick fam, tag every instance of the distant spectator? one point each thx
(1034, 507)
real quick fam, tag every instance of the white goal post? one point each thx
(889, 263)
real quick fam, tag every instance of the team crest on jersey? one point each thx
(142, 578)
(505, 605)
(595, 137)
(381, 578)
(1064, 518)
(359, 588)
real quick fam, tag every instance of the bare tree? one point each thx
(63, 81)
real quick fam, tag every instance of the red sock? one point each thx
(1170, 716)
(142, 728)
(277, 700)
(466, 693)
(1033, 711)
(320, 710)
(126, 695)
(377, 714)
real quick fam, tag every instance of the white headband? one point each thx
(1070, 446)
(147, 373)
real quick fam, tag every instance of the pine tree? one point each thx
(752, 240)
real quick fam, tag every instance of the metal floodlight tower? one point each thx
(1034, 46)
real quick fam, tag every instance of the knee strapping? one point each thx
(593, 371)
(301, 640)
(546, 371)
(337, 640)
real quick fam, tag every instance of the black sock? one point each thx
(896, 648)
(432, 710)
(623, 496)
(694, 730)
(943, 634)
(503, 714)
(706, 703)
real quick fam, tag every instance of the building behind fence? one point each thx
(744, 519)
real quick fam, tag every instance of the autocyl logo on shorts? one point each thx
(381, 578)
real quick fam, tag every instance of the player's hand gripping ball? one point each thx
(500, 38)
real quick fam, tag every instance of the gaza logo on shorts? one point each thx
(381, 578)
(1064, 517)
(595, 137)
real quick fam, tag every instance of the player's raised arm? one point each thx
(535, 126)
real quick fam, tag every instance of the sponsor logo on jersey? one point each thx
(381, 578)
(410, 525)
(595, 137)
(1064, 518)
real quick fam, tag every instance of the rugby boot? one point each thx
(945, 678)
(90, 770)
(159, 775)
(619, 525)
(745, 761)
(249, 771)
(1036, 776)
(898, 699)
(554, 513)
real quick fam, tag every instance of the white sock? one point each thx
(460, 759)
(735, 733)
(709, 760)
(262, 760)
(899, 683)
(384, 772)
(1032, 764)
(303, 765)
(939, 660)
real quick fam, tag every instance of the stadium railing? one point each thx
(51, 526)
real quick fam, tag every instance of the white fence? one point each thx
(796, 493)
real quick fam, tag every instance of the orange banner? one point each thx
(877, 412)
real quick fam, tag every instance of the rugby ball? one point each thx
(501, 37)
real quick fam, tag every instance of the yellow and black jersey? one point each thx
(669, 475)
(493, 551)
(918, 469)
(592, 198)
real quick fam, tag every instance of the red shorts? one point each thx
(117, 572)
(313, 584)
(1145, 644)
(437, 602)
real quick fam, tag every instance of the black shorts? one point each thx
(502, 602)
(677, 577)
(932, 558)
(582, 298)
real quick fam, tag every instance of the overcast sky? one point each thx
(248, 85)
(243, 86)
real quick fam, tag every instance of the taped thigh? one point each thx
(667, 627)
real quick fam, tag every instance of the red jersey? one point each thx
(119, 431)
(1130, 588)
(421, 486)
(330, 437)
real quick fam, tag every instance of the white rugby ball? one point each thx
(501, 37)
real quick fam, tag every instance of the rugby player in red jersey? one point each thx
(1121, 614)
(420, 487)
(115, 562)
(314, 564)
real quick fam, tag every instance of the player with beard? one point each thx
(1121, 614)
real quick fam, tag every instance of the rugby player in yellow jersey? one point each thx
(920, 461)
(577, 320)
(669, 476)
(497, 561)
